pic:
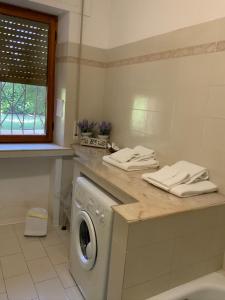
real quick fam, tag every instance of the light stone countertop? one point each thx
(141, 200)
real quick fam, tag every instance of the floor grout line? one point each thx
(62, 241)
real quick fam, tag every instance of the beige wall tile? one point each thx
(146, 263)
(174, 106)
(151, 231)
(187, 273)
(216, 105)
(215, 263)
(192, 249)
(91, 98)
(196, 221)
(117, 259)
(185, 37)
(2, 283)
(147, 289)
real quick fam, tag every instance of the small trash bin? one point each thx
(36, 222)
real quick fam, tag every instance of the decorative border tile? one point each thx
(151, 57)
(84, 61)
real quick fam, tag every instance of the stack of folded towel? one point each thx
(182, 179)
(138, 158)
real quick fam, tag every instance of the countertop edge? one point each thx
(34, 150)
(146, 204)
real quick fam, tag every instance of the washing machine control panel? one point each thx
(95, 210)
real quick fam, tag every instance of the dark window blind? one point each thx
(23, 51)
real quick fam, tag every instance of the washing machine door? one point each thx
(86, 242)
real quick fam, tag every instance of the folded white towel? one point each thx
(180, 172)
(139, 153)
(168, 179)
(187, 190)
(142, 153)
(123, 155)
(132, 165)
(196, 172)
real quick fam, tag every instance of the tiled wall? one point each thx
(92, 87)
(168, 93)
(155, 255)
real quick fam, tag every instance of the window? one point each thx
(27, 65)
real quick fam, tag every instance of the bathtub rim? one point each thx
(212, 280)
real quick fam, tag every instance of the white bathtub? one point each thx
(209, 287)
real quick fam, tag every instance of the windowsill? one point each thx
(34, 150)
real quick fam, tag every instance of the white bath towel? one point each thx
(132, 165)
(139, 153)
(187, 190)
(180, 172)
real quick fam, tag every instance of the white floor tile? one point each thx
(51, 239)
(51, 290)
(52, 227)
(6, 232)
(41, 269)
(64, 275)
(19, 229)
(3, 297)
(2, 283)
(65, 237)
(13, 265)
(9, 246)
(33, 250)
(21, 288)
(73, 293)
(58, 254)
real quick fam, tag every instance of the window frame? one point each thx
(52, 21)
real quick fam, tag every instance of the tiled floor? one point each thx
(35, 268)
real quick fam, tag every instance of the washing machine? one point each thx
(91, 232)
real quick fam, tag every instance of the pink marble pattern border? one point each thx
(151, 57)
(84, 61)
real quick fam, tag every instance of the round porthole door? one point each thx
(86, 242)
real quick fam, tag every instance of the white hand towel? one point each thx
(142, 153)
(123, 155)
(187, 190)
(132, 165)
(196, 172)
(166, 178)
(180, 172)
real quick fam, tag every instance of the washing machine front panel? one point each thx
(86, 241)
(91, 233)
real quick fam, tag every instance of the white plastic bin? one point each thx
(36, 222)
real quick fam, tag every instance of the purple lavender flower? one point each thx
(86, 126)
(105, 128)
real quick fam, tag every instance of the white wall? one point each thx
(24, 183)
(133, 20)
(96, 25)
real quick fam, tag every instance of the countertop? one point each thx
(34, 150)
(140, 200)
